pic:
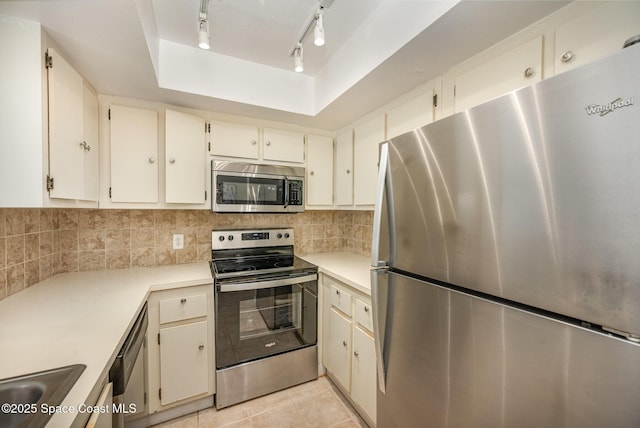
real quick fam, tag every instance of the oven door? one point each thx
(261, 318)
(243, 192)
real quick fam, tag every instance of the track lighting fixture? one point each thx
(318, 31)
(316, 23)
(203, 25)
(298, 65)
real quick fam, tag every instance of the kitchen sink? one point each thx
(23, 397)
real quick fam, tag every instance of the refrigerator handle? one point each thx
(379, 300)
(382, 202)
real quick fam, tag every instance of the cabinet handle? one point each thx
(172, 160)
(268, 143)
(344, 343)
(356, 353)
(348, 171)
(183, 301)
(152, 160)
(253, 142)
(529, 72)
(338, 292)
(311, 173)
(201, 347)
(85, 146)
(366, 308)
(567, 56)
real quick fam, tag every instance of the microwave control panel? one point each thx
(295, 192)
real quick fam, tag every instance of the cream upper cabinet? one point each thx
(134, 154)
(367, 138)
(234, 140)
(344, 168)
(284, 146)
(73, 129)
(412, 114)
(185, 158)
(319, 171)
(599, 32)
(512, 70)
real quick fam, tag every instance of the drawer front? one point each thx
(364, 314)
(341, 300)
(183, 308)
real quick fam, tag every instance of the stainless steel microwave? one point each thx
(244, 187)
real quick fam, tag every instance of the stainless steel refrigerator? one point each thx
(506, 253)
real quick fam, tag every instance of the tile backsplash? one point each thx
(36, 244)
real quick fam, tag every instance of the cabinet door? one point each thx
(367, 138)
(66, 151)
(410, 115)
(519, 67)
(90, 131)
(134, 154)
(235, 140)
(280, 145)
(339, 351)
(105, 401)
(184, 369)
(363, 376)
(185, 161)
(320, 171)
(344, 168)
(595, 34)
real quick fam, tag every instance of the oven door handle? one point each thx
(257, 285)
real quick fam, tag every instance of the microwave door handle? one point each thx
(286, 192)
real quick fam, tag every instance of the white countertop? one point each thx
(352, 269)
(81, 318)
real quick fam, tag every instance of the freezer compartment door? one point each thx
(454, 360)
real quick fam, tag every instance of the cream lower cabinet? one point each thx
(180, 349)
(348, 346)
(102, 419)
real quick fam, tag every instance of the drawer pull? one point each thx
(567, 56)
(366, 308)
(183, 301)
(338, 292)
(201, 347)
(344, 343)
(356, 353)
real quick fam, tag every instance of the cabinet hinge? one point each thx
(158, 338)
(109, 114)
(49, 183)
(205, 195)
(435, 100)
(48, 60)
(109, 192)
(454, 90)
(209, 145)
(160, 393)
(145, 398)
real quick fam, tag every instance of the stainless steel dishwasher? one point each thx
(130, 404)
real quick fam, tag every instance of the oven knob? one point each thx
(221, 238)
(286, 236)
(230, 238)
(279, 235)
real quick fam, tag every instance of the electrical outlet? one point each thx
(178, 241)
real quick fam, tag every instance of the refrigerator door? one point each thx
(534, 196)
(458, 361)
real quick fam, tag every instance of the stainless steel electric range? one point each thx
(265, 314)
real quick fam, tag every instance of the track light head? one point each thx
(298, 65)
(318, 31)
(203, 25)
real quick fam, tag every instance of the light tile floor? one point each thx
(313, 404)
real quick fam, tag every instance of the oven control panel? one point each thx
(244, 238)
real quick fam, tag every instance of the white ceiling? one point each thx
(375, 51)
